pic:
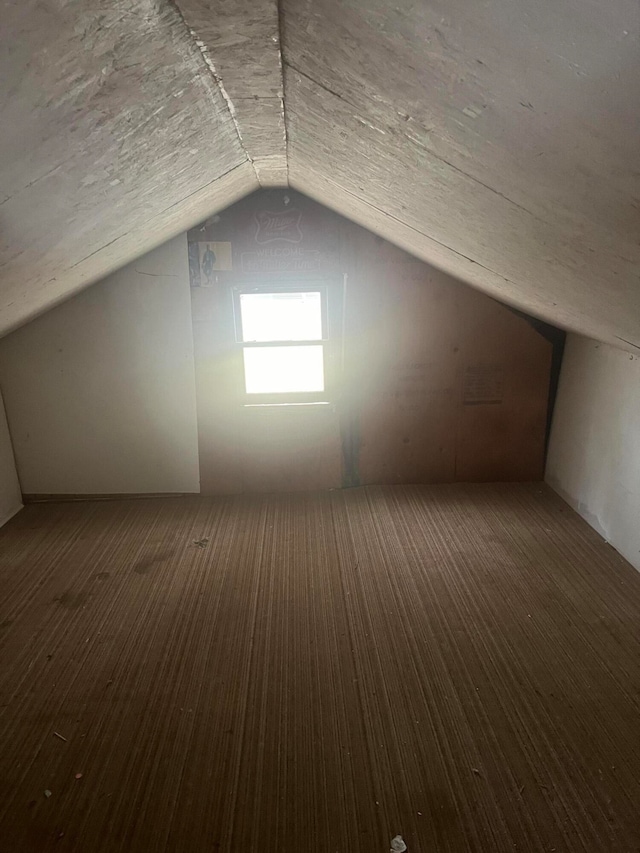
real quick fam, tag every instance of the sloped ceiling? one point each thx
(497, 140)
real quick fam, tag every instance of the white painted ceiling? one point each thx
(496, 139)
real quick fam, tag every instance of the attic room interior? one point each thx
(319, 426)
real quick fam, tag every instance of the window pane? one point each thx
(282, 370)
(281, 316)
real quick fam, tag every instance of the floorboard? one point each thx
(318, 673)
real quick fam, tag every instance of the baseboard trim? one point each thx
(62, 498)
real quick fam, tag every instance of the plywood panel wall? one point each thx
(439, 382)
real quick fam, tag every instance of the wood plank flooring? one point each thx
(318, 673)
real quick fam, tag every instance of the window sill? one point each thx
(324, 406)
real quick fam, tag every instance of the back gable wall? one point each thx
(437, 382)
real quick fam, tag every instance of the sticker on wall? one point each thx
(213, 257)
(283, 225)
(194, 264)
(483, 385)
(281, 259)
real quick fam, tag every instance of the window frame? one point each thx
(280, 398)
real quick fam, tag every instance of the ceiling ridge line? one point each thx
(208, 61)
(283, 102)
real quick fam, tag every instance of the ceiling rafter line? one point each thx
(161, 212)
(319, 84)
(198, 190)
(503, 297)
(211, 69)
(280, 11)
(429, 150)
(388, 215)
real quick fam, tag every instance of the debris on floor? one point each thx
(398, 845)
(55, 734)
(201, 543)
(47, 793)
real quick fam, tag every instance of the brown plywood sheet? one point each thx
(501, 431)
(414, 337)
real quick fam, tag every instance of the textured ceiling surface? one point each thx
(498, 141)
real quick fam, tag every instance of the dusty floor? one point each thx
(318, 673)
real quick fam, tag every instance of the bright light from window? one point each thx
(283, 370)
(281, 316)
(268, 318)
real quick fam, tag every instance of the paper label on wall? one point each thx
(281, 259)
(213, 257)
(483, 385)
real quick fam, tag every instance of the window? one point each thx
(283, 336)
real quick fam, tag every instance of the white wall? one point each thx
(10, 495)
(100, 391)
(594, 454)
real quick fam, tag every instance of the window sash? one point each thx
(266, 289)
(286, 397)
(281, 370)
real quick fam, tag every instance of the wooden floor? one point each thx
(318, 673)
